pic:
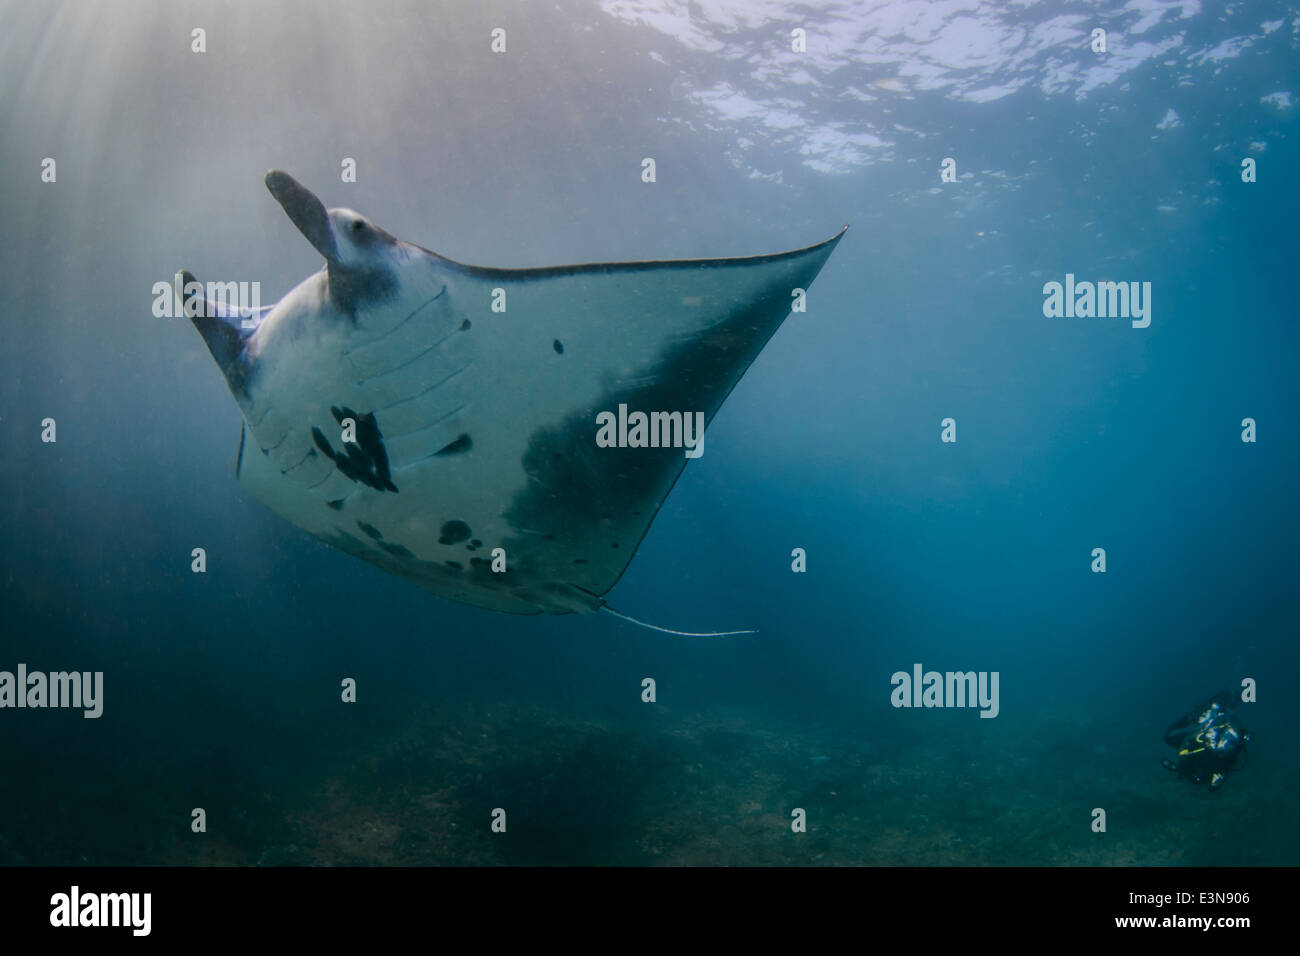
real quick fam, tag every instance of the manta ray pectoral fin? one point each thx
(662, 339)
(222, 329)
(305, 211)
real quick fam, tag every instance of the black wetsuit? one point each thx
(1211, 741)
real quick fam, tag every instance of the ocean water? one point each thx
(222, 689)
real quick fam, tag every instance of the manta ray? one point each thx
(439, 420)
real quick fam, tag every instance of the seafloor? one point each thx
(668, 789)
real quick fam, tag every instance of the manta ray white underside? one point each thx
(476, 430)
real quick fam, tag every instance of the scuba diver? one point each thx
(1211, 741)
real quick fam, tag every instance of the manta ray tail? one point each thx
(669, 630)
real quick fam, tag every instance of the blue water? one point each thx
(222, 689)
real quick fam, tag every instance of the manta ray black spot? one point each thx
(464, 326)
(479, 562)
(364, 460)
(558, 346)
(370, 530)
(455, 564)
(453, 532)
(476, 543)
(336, 504)
(396, 550)
(581, 561)
(462, 444)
